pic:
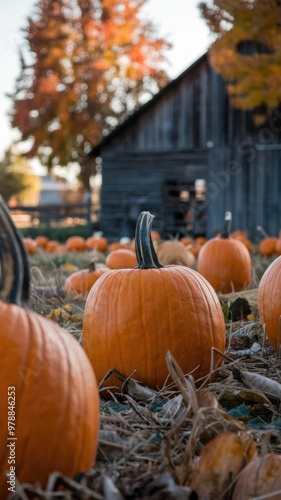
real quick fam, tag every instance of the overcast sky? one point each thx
(177, 20)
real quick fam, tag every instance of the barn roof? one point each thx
(95, 151)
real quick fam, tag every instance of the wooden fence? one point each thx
(57, 215)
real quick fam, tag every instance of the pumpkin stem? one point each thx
(145, 251)
(262, 231)
(227, 224)
(15, 278)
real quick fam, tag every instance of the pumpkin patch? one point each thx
(181, 368)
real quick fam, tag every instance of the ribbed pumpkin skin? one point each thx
(269, 301)
(56, 405)
(133, 317)
(226, 264)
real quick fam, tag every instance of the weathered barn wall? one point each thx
(189, 131)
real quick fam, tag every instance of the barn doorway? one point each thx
(185, 211)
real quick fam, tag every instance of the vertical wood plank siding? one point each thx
(191, 131)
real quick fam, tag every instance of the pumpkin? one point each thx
(195, 249)
(269, 302)
(121, 258)
(52, 246)
(30, 245)
(187, 241)
(80, 282)
(201, 240)
(155, 236)
(175, 252)
(115, 245)
(260, 479)
(244, 240)
(76, 244)
(225, 262)
(132, 317)
(49, 410)
(42, 241)
(97, 242)
(267, 246)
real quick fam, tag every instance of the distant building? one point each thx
(187, 133)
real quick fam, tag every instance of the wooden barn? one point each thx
(187, 156)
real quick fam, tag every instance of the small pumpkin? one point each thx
(42, 241)
(49, 382)
(30, 245)
(267, 246)
(75, 244)
(52, 246)
(175, 252)
(269, 302)
(225, 262)
(121, 258)
(98, 242)
(261, 478)
(80, 282)
(132, 317)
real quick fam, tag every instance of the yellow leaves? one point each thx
(64, 314)
(248, 55)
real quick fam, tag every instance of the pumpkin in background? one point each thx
(52, 246)
(133, 317)
(49, 382)
(80, 282)
(42, 241)
(225, 262)
(155, 236)
(175, 252)
(30, 245)
(75, 244)
(187, 241)
(269, 302)
(121, 258)
(97, 242)
(115, 245)
(267, 246)
(195, 249)
(260, 479)
(242, 236)
(201, 240)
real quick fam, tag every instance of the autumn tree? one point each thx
(92, 63)
(247, 51)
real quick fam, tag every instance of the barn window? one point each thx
(183, 205)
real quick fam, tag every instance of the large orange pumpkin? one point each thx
(49, 405)
(269, 302)
(134, 316)
(225, 262)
